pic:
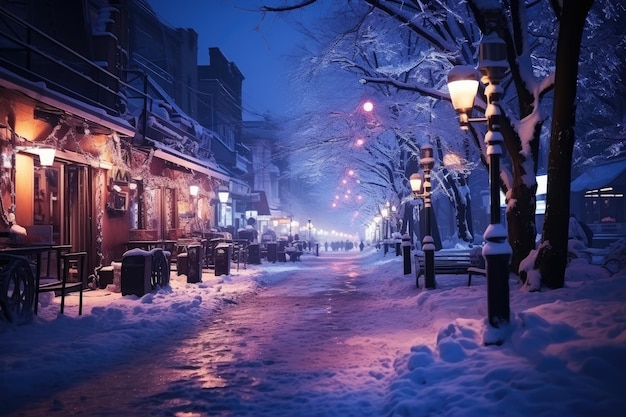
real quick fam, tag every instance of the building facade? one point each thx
(114, 93)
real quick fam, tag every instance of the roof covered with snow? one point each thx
(599, 176)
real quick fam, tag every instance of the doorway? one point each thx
(77, 208)
(61, 200)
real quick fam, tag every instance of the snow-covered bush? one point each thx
(615, 260)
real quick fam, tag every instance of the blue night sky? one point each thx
(262, 47)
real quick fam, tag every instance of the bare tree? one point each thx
(447, 36)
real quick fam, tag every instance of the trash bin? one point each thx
(223, 253)
(272, 248)
(282, 244)
(194, 263)
(136, 272)
(254, 254)
(181, 264)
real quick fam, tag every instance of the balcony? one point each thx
(31, 54)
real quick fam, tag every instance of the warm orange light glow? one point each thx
(360, 142)
(32, 130)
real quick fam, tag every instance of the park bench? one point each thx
(453, 263)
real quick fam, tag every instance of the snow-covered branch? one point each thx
(425, 91)
(288, 8)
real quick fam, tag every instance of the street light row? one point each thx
(463, 83)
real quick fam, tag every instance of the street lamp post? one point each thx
(388, 221)
(428, 243)
(463, 84)
(385, 213)
(309, 246)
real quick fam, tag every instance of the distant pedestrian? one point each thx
(361, 246)
(326, 246)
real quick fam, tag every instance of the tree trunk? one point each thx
(521, 224)
(552, 259)
(461, 216)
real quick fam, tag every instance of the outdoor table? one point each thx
(145, 244)
(181, 244)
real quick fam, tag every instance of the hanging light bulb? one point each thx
(46, 156)
(223, 194)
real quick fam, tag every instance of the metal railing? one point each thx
(35, 56)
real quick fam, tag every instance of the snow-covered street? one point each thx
(342, 334)
(320, 335)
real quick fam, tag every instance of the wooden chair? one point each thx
(57, 251)
(74, 262)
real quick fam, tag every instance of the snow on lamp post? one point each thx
(310, 241)
(463, 84)
(422, 190)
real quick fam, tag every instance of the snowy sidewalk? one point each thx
(564, 354)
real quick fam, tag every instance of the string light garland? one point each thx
(8, 216)
(112, 149)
